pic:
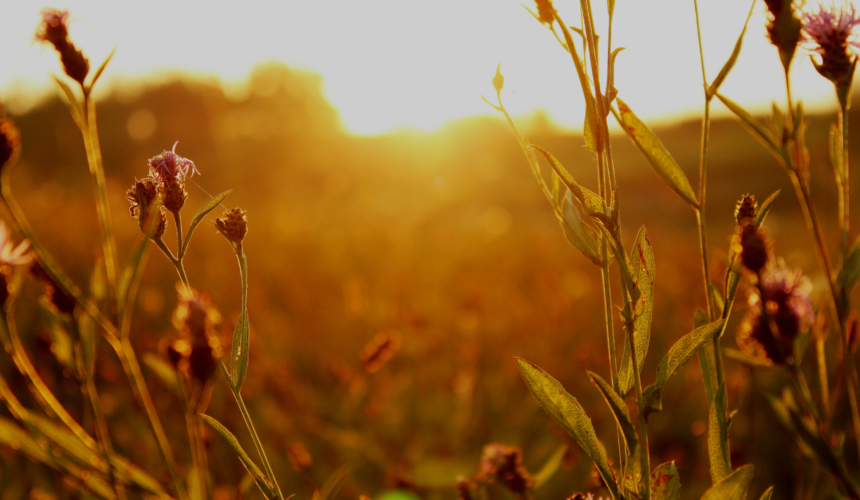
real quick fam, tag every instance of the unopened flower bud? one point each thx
(142, 198)
(755, 248)
(233, 224)
(53, 30)
(745, 211)
(498, 79)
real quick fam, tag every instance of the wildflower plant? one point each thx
(780, 308)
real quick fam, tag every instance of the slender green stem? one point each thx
(257, 443)
(177, 263)
(92, 396)
(821, 362)
(643, 431)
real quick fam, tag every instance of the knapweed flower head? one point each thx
(196, 347)
(745, 210)
(829, 32)
(54, 30)
(195, 314)
(11, 254)
(783, 28)
(10, 141)
(753, 246)
(233, 224)
(170, 172)
(777, 314)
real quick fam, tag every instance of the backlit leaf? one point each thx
(724, 71)
(759, 131)
(567, 411)
(239, 351)
(733, 487)
(767, 495)
(644, 271)
(657, 155)
(718, 451)
(665, 482)
(335, 481)
(580, 235)
(198, 217)
(618, 408)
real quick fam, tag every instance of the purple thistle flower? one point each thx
(829, 32)
(169, 165)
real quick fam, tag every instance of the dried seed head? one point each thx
(299, 457)
(745, 211)
(174, 194)
(233, 225)
(54, 30)
(498, 79)
(783, 29)
(829, 32)
(505, 464)
(755, 247)
(379, 350)
(10, 142)
(545, 11)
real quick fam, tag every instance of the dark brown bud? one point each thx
(10, 142)
(299, 457)
(783, 29)
(202, 362)
(142, 197)
(745, 210)
(755, 248)
(545, 11)
(233, 225)
(54, 30)
(174, 194)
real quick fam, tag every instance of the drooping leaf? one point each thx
(239, 351)
(591, 201)
(198, 217)
(666, 483)
(550, 467)
(644, 270)
(260, 478)
(764, 208)
(580, 235)
(567, 411)
(678, 355)
(332, 485)
(611, 93)
(618, 408)
(657, 155)
(759, 131)
(734, 487)
(724, 71)
(718, 452)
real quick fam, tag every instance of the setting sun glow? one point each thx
(389, 64)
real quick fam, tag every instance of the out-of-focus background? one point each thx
(439, 238)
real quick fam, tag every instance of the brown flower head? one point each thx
(54, 30)
(197, 347)
(783, 28)
(770, 332)
(195, 316)
(10, 142)
(545, 11)
(504, 463)
(142, 198)
(753, 246)
(745, 210)
(233, 224)
(829, 32)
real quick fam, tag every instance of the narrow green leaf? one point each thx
(721, 466)
(260, 478)
(618, 408)
(657, 155)
(764, 208)
(550, 467)
(581, 236)
(759, 131)
(567, 411)
(239, 351)
(767, 495)
(708, 364)
(644, 271)
(198, 217)
(679, 354)
(666, 483)
(332, 485)
(717, 300)
(733, 487)
(72, 102)
(164, 371)
(101, 68)
(611, 93)
(724, 71)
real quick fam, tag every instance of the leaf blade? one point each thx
(260, 478)
(198, 217)
(733, 487)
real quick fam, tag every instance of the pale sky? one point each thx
(389, 64)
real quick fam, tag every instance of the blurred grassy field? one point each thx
(442, 238)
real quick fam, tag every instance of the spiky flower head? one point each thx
(783, 29)
(54, 30)
(745, 210)
(829, 32)
(10, 141)
(545, 11)
(778, 315)
(233, 224)
(142, 197)
(168, 164)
